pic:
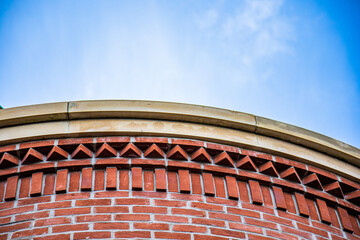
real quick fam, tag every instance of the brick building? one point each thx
(154, 170)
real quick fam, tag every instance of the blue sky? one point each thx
(292, 61)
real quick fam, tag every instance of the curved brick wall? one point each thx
(168, 188)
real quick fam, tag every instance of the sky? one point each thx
(293, 61)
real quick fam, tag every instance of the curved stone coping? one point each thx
(66, 111)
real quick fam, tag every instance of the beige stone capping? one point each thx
(77, 119)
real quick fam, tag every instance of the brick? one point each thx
(70, 196)
(257, 237)
(149, 180)
(147, 209)
(111, 225)
(243, 227)
(184, 181)
(231, 186)
(111, 178)
(206, 206)
(24, 188)
(57, 153)
(17, 210)
(86, 179)
(14, 227)
(334, 218)
(93, 218)
(36, 184)
(75, 141)
(243, 191)
(201, 155)
(170, 218)
(170, 235)
(224, 216)
(111, 209)
(279, 198)
(267, 196)
(8, 160)
(74, 164)
(74, 184)
(5, 220)
(132, 201)
(196, 183)
(220, 187)
(124, 180)
(206, 237)
(260, 223)
(81, 152)
(147, 162)
(208, 222)
(312, 230)
(130, 151)
(255, 191)
(132, 217)
(34, 200)
(150, 194)
(220, 169)
(62, 204)
(186, 197)
(227, 233)
(243, 212)
(293, 217)
(31, 216)
(172, 182)
(324, 211)
(106, 151)
(103, 163)
(268, 169)
(345, 220)
(222, 201)
(72, 211)
(303, 234)
(93, 202)
(169, 203)
(2, 190)
(61, 181)
(247, 164)
(136, 174)
(326, 227)
(160, 179)
(177, 153)
(49, 184)
(133, 234)
(92, 235)
(154, 151)
(151, 226)
(189, 228)
(290, 203)
(11, 187)
(99, 180)
(291, 175)
(279, 220)
(302, 205)
(54, 237)
(32, 156)
(52, 221)
(111, 194)
(280, 235)
(256, 154)
(312, 209)
(355, 225)
(258, 208)
(208, 184)
(191, 212)
(27, 233)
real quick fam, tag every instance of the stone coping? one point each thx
(135, 109)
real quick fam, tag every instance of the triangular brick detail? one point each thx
(268, 169)
(334, 189)
(130, 151)
(81, 152)
(154, 151)
(224, 159)
(177, 153)
(106, 151)
(246, 163)
(8, 160)
(57, 153)
(313, 181)
(291, 175)
(353, 197)
(201, 155)
(32, 156)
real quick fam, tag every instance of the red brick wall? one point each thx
(122, 187)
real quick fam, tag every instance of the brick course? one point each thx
(143, 187)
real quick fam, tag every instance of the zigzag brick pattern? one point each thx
(167, 188)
